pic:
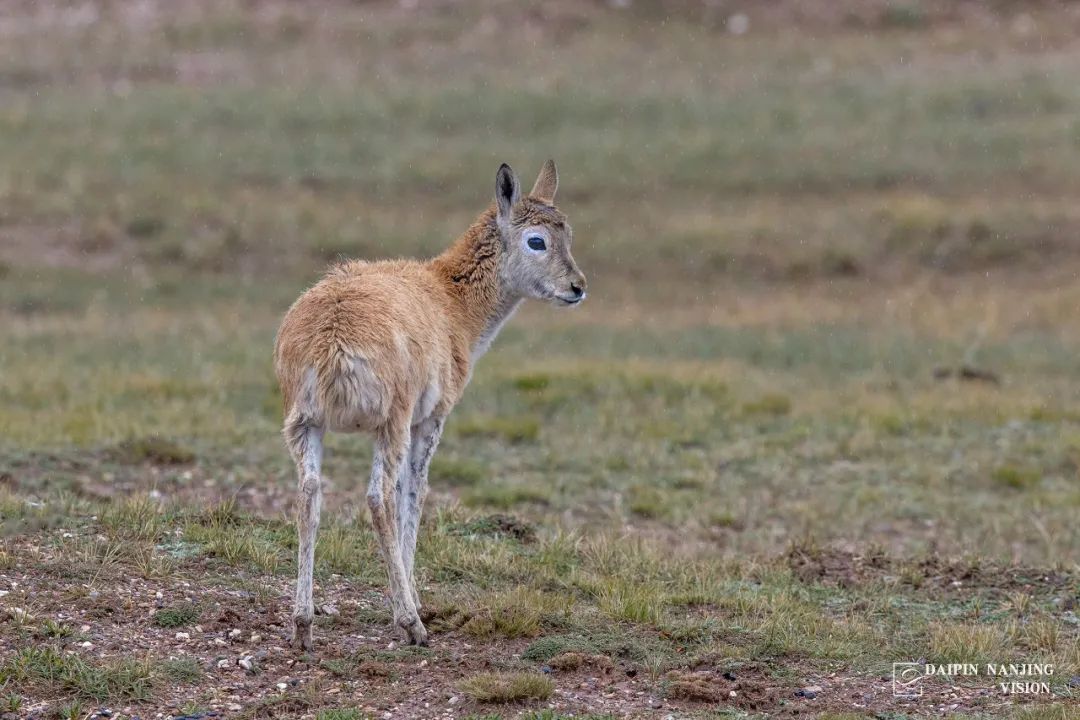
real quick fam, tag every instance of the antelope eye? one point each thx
(535, 242)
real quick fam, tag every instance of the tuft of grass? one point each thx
(498, 526)
(532, 382)
(48, 668)
(177, 616)
(511, 429)
(694, 687)
(548, 647)
(505, 497)
(1015, 476)
(457, 473)
(138, 518)
(646, 501)
(637, 602)
(517, 613)
(549, 714)
(768, 404)
(1054, 711)
(260, 544)
(507, 687)
(904, 16)
(183, 670)
(343, 548)
(1042, 635)
(71, 711)
(151, 449)
(573, 660)
(144, 227)
(11, 703)
(965, 642)
(623, 645)
(340, 714)
(53, 629)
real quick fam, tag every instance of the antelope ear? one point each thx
(546, 183)
(507, 191)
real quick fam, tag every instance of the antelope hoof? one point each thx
(415, 632)
(301, 638)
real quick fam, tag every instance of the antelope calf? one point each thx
(387, 347)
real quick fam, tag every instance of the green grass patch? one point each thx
(505, 497)
(507, 687)
(340, 714)
(457, 473)
(517, 613)
(183, 670)
(768, 404)
(1016, 477)
(177, 616)
(68, 674)
(647, 501)
(152, 449)
(509, 429)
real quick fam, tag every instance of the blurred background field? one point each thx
(832, 255)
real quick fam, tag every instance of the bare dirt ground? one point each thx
(240, 642)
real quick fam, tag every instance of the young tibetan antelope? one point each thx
(387, 347)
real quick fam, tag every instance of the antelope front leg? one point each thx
(425, 440)
(391, 448)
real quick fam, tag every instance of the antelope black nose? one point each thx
(577, 290)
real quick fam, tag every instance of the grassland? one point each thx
(819, 414)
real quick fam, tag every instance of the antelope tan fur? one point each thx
(387, 347)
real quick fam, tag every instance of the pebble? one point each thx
(255, 637)
(282, 686)
(656, 704)
(738, 24)
(810, 692)
(223, 663)
(235, 707)
(234, 633)
(1074, 681)
(183, 636)
(247, 662)
(87, 645)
